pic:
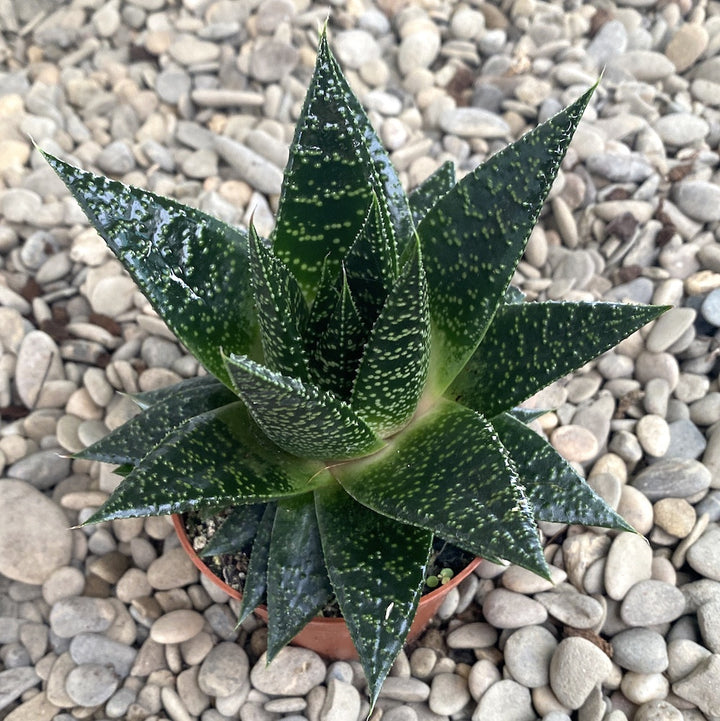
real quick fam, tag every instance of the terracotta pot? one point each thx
(330, 636)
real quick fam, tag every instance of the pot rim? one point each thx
(205, 570)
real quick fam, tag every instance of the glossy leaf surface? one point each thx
(447, 472)
(181, 475)
(192, 268)
(301, 419)
(552, 486)
(237, 530)
(539, 343)
(474, 236)
(377, 568)
(298, 585)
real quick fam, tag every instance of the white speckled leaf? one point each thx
(530, 345)
(137, 437)
(391, 375)
(431, 190)
(555, 490)
(297, 582)
(281, 310)
(180, 474)
(192, 268)
(474, 236)
(449, 473)
(300, 418)
(377, 569)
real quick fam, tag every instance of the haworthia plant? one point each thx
(366, 366)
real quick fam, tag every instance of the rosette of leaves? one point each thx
(365, 366)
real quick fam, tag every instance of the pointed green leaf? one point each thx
(530, 345)
(371, 264)
(376, 566)
(192, 268)
(321, 310)
(281, 310)
(300, 418)
(473, 238)
(557, 493)
(527, 415)
(325, 192)
(254, 590)
(180, 474)
(431, 190)
(148, 398)
(449, 473)
(339, 348)
(137, 437)
(297, 584)
(237, 530)
(391, 376)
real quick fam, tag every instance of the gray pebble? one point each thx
(472, 635)
(577, 666)
(703, 555)
(710, 308)
(610, 40)
(699, 199)
(700, 686)
(507, 609)
(657, 710)
(651, 602)
(710, 506)
(293, 672)
(80, 614)
(675, 477)
(99, 649)
(14, 682)
(42, 469)
(527, 655)
(448, 694)
(505, 701)
(172, 84)
(620, 168)
(251, 167)
(91, 684)
(668, 328)
(572, 608)
(628, 562)
(116, 158)
(474, 123)
(706, 411)
(641, 650)
(272, 60)
(680, 129)
(686, 440)
(354, 48)
(708, 616)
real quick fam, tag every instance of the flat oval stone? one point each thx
(177, 626)
(81, 614)
(342, 701)
(38, 361)
(505, 701)
(577, 666)
(527, 655)
(506, 609)
(703, 555)
(98, 648)
(36, 540)
(173, 569)
(675, 477)
(640, 649)
(91, 684)
(572, 608)
(448, 694)
(628, 561)
(225, 670)
(651, 602)
(472, 635)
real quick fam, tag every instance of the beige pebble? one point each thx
(173, 569)
(702, 282)
(675, 516)
(653, 433)
(177, 626)
(574, 443)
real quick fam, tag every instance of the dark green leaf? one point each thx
(281, 310)
(527, 415)
(255, 587)
(555, 490)
(326, 189)
(533, 344)
(447, 472)
(297, 584)
(376, 566)
(473, 238)
(148, 398)
(181, 474)
(237, 530)
(431, 190)
(339, 348)
(192, 268)
(300, 418)
(137, 437)
(391, 375)
(371, 264)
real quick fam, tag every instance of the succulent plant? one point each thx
(365, 367)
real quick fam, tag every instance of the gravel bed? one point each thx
(197, 99)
